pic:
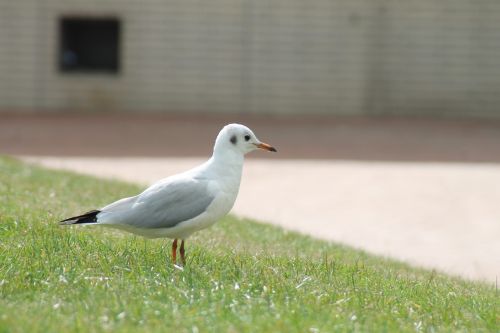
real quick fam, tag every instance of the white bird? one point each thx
(179, 205)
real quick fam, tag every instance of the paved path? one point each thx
(436, 215)
(344, 138)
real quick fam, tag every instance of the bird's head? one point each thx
(239, 138)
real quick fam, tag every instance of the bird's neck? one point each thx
(227, 158)
(227, 164)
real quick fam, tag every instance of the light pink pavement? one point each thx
(443, 216)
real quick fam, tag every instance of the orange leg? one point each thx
(182, 252)
(174, 251)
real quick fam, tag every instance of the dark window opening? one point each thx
(89, 45)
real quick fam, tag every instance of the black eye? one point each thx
(247, 137)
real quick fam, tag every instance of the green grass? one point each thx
(241, 276)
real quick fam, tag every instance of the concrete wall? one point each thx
(435, 57)
(276, 56)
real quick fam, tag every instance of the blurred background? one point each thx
(255, 57)
(361, 81)
(348, 75)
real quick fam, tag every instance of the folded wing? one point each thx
(163, 205)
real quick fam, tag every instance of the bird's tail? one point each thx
(88, 217)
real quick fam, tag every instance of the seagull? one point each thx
(177, 206)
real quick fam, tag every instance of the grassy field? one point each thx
(241, 276)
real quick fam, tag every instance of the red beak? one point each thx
(267, 147)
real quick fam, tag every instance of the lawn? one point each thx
(241, 276)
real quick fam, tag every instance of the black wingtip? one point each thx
(88, 217)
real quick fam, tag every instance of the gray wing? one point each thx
(165, 205)
(120, 205)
